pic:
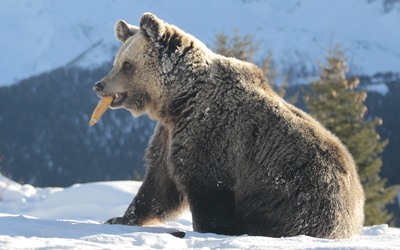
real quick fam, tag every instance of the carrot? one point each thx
(103, 105)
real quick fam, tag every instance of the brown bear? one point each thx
(244, 160)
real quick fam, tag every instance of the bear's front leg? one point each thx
(155, 201)
(213, 210)
(158, 198)
(207, 176)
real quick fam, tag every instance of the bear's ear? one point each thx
(152, 27)
(124, 30)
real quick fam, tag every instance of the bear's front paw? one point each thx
(115, 220)
(121, 221)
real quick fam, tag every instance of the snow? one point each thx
(380, 88)
(39, 36)
(70, 218)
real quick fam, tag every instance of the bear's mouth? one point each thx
(119, 98)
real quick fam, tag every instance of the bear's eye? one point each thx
(126, 65)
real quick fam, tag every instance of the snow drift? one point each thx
(55, 218)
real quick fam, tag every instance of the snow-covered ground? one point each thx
(69, 218)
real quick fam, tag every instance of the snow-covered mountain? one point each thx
(38, 36)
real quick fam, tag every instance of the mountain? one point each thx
(46, 139)
(39, 36)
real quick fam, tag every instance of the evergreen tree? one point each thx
(244, 48)
(340, 108)
(241, 47)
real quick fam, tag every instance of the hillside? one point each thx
(44, 35)
(46, 139)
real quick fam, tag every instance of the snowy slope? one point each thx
(58, 218)
(37, 36)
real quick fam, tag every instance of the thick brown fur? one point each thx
(243, 159)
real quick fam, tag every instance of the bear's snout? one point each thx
(98, 87)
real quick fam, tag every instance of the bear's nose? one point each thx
(98, 87)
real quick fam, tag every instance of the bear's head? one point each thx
(155, 61)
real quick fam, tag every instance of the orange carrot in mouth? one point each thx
(103, 105)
